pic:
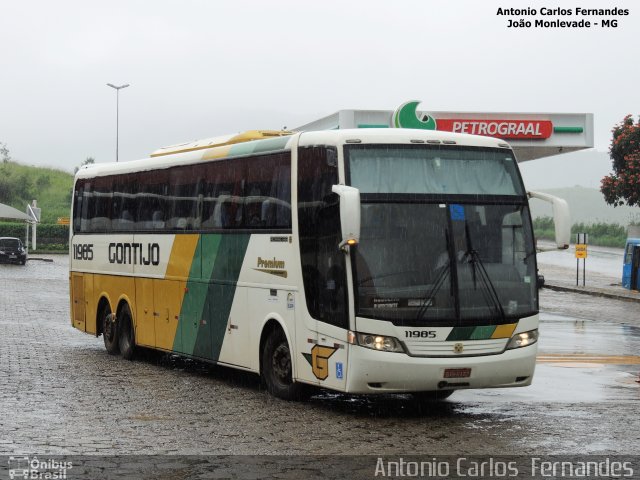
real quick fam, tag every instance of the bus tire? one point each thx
(276, 367)
(434, 396)
(109, 330)
(126, 337)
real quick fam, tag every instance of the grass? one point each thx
(600, 233)
(19, 184)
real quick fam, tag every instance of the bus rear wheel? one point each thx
(109, 330)
(277, 372)
(126, 338)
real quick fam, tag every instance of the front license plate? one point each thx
(457, 372)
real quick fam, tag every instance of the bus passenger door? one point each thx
(332, 300)
(306, 338)
(145, 320)
(234, 345)
(77, 284)
(326, 349)
(332, 345)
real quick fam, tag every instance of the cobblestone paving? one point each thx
(61, 393)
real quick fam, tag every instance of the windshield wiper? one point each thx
(442, 275)
(478, 270)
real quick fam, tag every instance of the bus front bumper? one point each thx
(372, 371)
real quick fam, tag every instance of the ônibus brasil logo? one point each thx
(25, 467)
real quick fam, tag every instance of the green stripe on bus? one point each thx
(471, 333)
(209, 247)
(191, 313)
(482, 333)
(460, 333)
(191, 318)
(259, 146)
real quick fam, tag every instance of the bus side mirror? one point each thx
(349, 214)
(561, 218)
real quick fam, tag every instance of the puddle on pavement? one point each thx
(578, 362)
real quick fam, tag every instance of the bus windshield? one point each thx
(439, 169)
(452, 250)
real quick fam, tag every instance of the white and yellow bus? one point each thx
(363, 261)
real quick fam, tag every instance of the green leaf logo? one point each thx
(406, 117)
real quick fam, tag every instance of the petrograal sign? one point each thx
(513, 129)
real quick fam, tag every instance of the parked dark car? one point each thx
(12, 251)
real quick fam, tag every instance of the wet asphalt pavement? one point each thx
(61, 393)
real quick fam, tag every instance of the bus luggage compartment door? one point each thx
(145, 320)
(78, 299)
(167, 301)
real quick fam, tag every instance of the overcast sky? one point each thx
(204, 68)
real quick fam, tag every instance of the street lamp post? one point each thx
(117, 88)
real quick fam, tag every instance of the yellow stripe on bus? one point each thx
(184, 247)
(216, 153)
(504, 331)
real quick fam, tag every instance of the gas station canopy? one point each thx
(531, 135)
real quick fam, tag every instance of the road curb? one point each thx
(595, 292)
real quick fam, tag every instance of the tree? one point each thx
(4, 153)
(88, 161)
(623, 185)
(43, 182)
(24, 187)
(6, 190)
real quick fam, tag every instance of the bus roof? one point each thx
(397, 135)
(232, 139)
(267, 141)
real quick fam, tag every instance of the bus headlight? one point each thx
(523, 339)
(379, 342)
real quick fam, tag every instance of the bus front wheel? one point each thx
(109, 330)
(126, 339)
(276, 367)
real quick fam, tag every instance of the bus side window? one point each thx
(151, 201)
(214, 185)
(278, 214)
(101, 205)
(123, 206)
(182, 201)
(85, 219)
(227, 180)
(253, 208)
(77, 206)
(267, 203)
